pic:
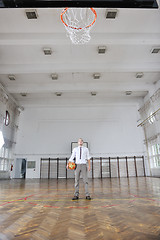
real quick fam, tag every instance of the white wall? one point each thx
(110, 130)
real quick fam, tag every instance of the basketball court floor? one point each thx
(121, 208)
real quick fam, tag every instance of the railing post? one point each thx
(143, 166)
(57, 167)
(48, 168)
(40, 168)
(135, 165)
(66, 167)
(101, 166)
(109, 167)
(118, 166)
(127, 167)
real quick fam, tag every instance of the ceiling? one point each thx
(128, 39)
(79, 3)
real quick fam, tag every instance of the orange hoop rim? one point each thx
(65, 9)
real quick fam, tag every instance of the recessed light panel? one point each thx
(96, 75)
(155, 50)
(47, 51)
(111, 13)
(128, 93)
(54, 76)
(31, 14)
(93, 93)
(23, 94)
(58, 94)
(101, 49)
(139, 75)
(12, 77)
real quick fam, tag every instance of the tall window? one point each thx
(4, 159)
(154, 154)
(1, 139)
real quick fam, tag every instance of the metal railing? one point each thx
(100, 167)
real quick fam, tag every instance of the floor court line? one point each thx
(80, 199)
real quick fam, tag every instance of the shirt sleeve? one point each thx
(73, 155)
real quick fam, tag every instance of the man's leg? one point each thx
(77, 177)
(85, 178)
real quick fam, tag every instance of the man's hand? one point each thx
(67, 165)
(89, 165)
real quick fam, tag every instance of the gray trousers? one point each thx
(81, 168)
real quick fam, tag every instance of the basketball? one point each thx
(71, 165)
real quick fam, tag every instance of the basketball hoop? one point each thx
(78, 23)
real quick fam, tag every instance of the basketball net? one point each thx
(78, 23)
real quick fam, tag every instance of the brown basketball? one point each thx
(71, 165)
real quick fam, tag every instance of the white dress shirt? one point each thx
(76, 154)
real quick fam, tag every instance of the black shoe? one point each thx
(75, 198)
(88, 198)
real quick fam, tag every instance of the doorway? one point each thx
(20, 168)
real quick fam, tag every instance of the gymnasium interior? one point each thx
(54, 91)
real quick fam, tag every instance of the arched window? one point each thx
(7, 118)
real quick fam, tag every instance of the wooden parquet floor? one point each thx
(120, 209)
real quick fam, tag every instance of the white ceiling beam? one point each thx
(79, 87)
(84, 67)
(21, 39)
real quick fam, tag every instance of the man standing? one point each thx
(81, 154)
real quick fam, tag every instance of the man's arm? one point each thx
(72, 157)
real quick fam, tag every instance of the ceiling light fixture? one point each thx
(111, 13)
(58, 94)
(54, 76)
(155, 50)
(23, 94)
(139, 75)
(93, 93)
(31, 14)
(96, 75)
(128, 93)
(101, 49)
(12, 77)
(47, 51)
